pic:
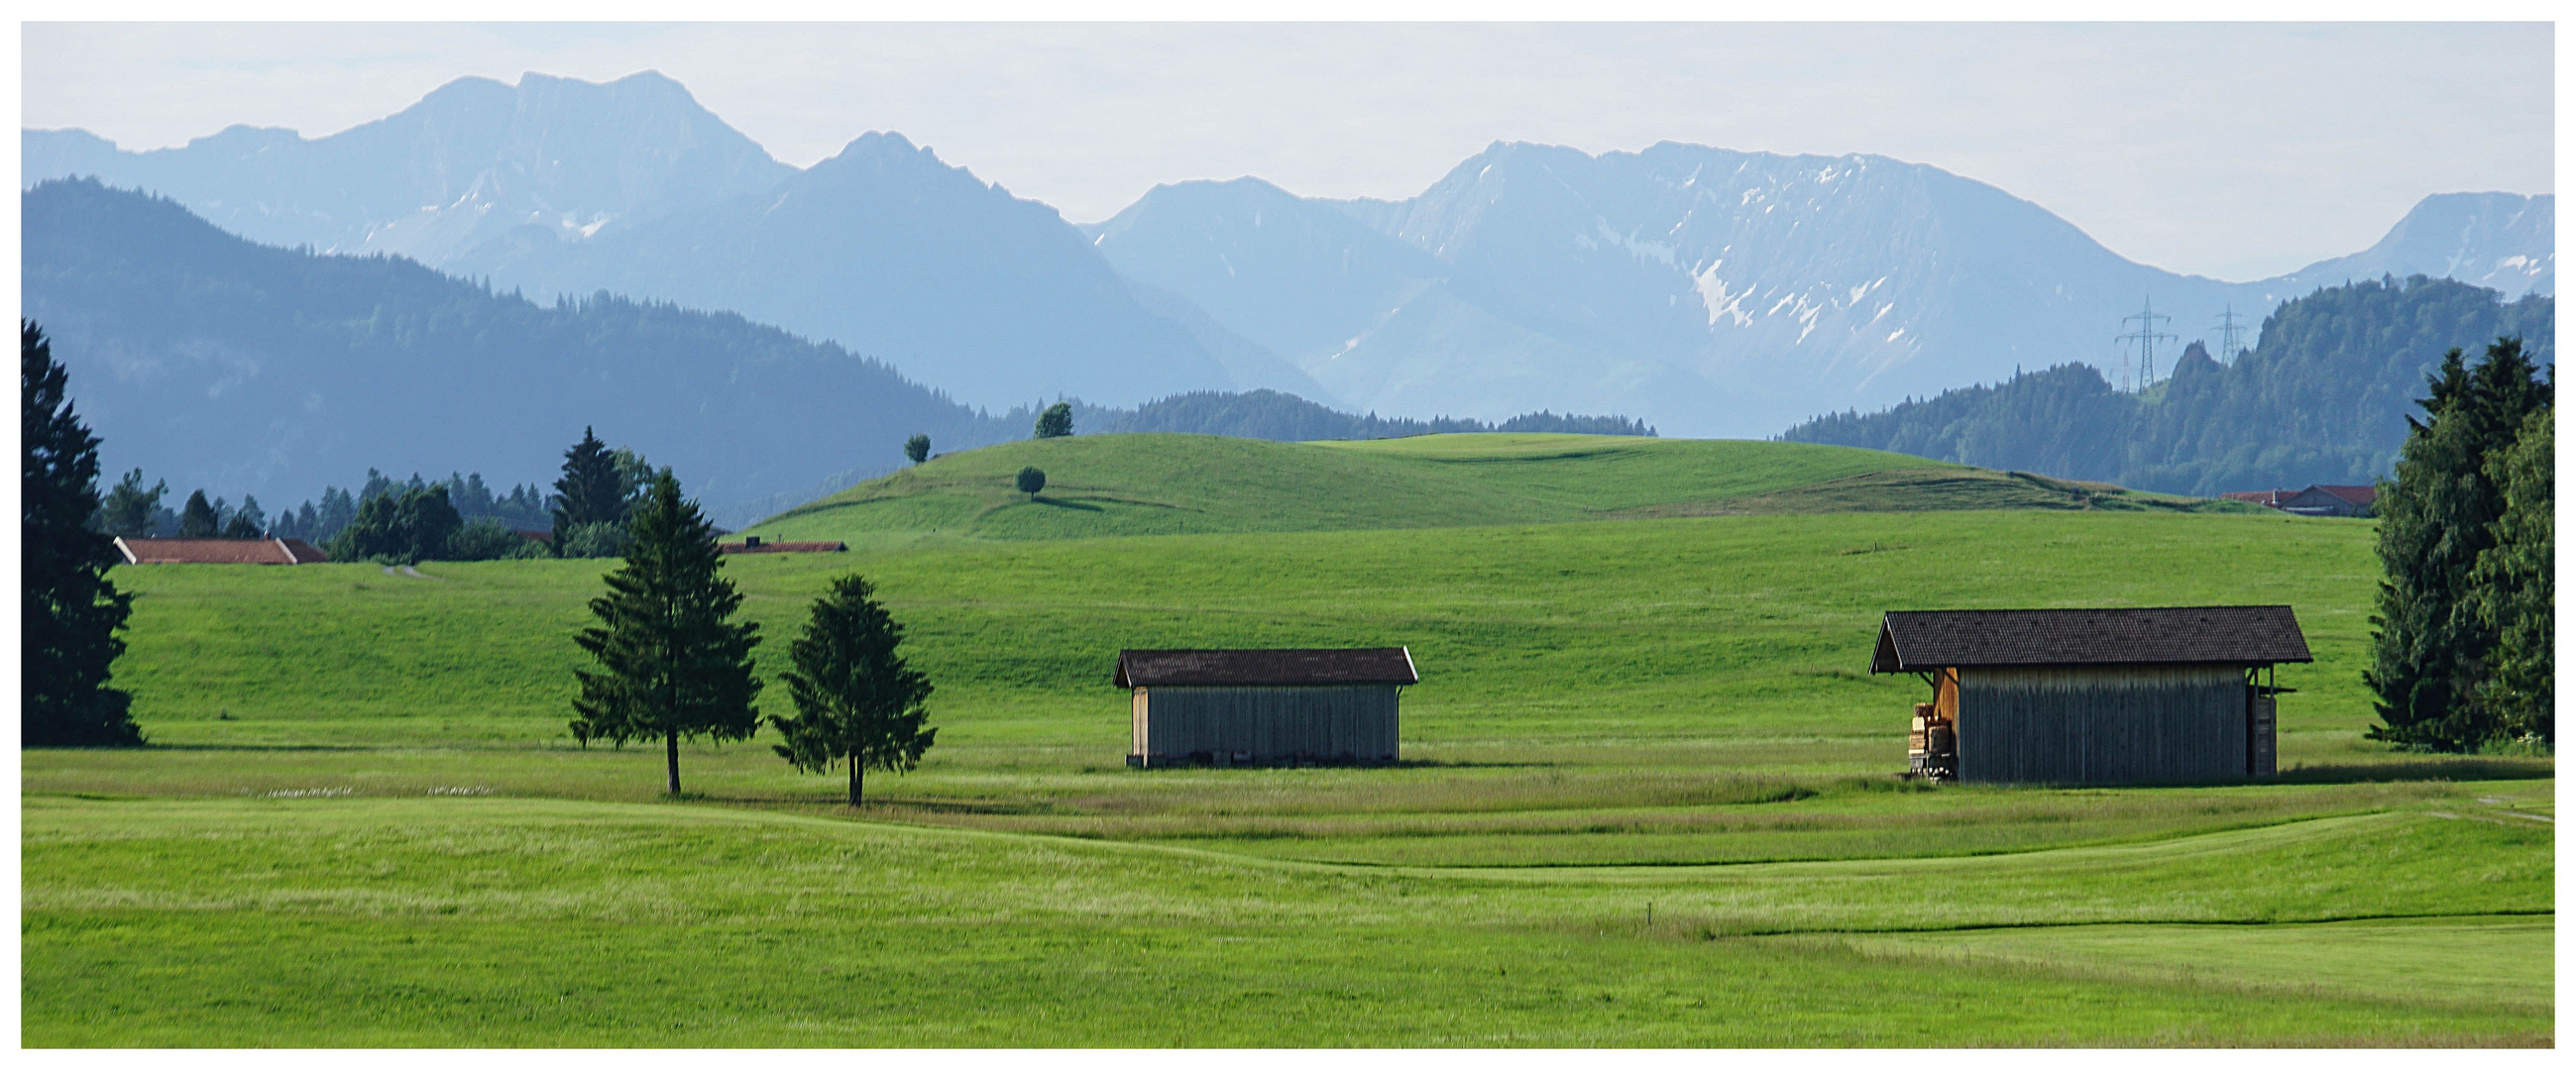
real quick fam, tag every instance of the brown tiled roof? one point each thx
(219, 552)
(784, 547)
(1365, 665)
(2357, 495)
(1920, 641)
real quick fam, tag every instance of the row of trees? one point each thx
(672, 663)
(2461, 656)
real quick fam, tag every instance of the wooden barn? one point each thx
(1264, 707)
(2093, 696)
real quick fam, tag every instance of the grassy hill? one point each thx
(1145, 484)
(364, 782)
(1646, 796)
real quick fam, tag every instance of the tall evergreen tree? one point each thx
(672, 663)
(2517, 586)
(2431, 650)
(68, 611)
(590, 491)
(198, 519)
(857, 703)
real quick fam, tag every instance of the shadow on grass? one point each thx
(1060, 503)
(2421, 769)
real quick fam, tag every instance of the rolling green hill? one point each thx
(1154, 484)
(1646, 800)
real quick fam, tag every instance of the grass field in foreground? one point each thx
(480, 921)
(1157, 484)
(364, 826)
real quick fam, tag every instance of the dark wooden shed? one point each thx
(2094, 696)
(1264, 707)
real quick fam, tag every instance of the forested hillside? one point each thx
(2322, 398)
(214, 362)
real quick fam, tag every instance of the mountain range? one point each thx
(1706, 291)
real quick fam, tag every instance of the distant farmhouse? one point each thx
(219, 552)
(2321, 499)
(2093, 696)
(752, 544)
(1264, 707)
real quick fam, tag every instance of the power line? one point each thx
(2146, 336)
(2228, 332)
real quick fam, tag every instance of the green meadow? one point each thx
(1648, 795)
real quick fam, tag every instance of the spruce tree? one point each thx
(857, 703)
(129, 510)
(672, 663)
(2430, 648)
(68, 611)
(590, 491)
(198, 519)
(2516, 581)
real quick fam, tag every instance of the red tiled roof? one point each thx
(1364, 665)
(219, 552)
(2362, 495)
(783, 547)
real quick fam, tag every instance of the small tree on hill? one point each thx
(1030, 481)
(130, 510)
(917, 448)
(428, 521)
(198, 519)
(247, 522)
(68, 611)
(1056, 421)
(672, 663)
(857, 703)
(590, 491)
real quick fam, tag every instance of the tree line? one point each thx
(2322, 398)
(670, 660)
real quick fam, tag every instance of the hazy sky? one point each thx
(2233, 150)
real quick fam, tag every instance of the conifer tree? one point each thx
(2517, 586)
(857, 703)
(672, 663)
(68, 611)
(590, 491)
(198, 519)
(2431, 650)
(130, 510)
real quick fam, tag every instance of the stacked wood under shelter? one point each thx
(2093, 696)
(1264, 707)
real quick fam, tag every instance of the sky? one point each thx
(2235, 150)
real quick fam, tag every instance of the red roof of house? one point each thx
(783, 547)
(2356, 495)
(219, 552)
